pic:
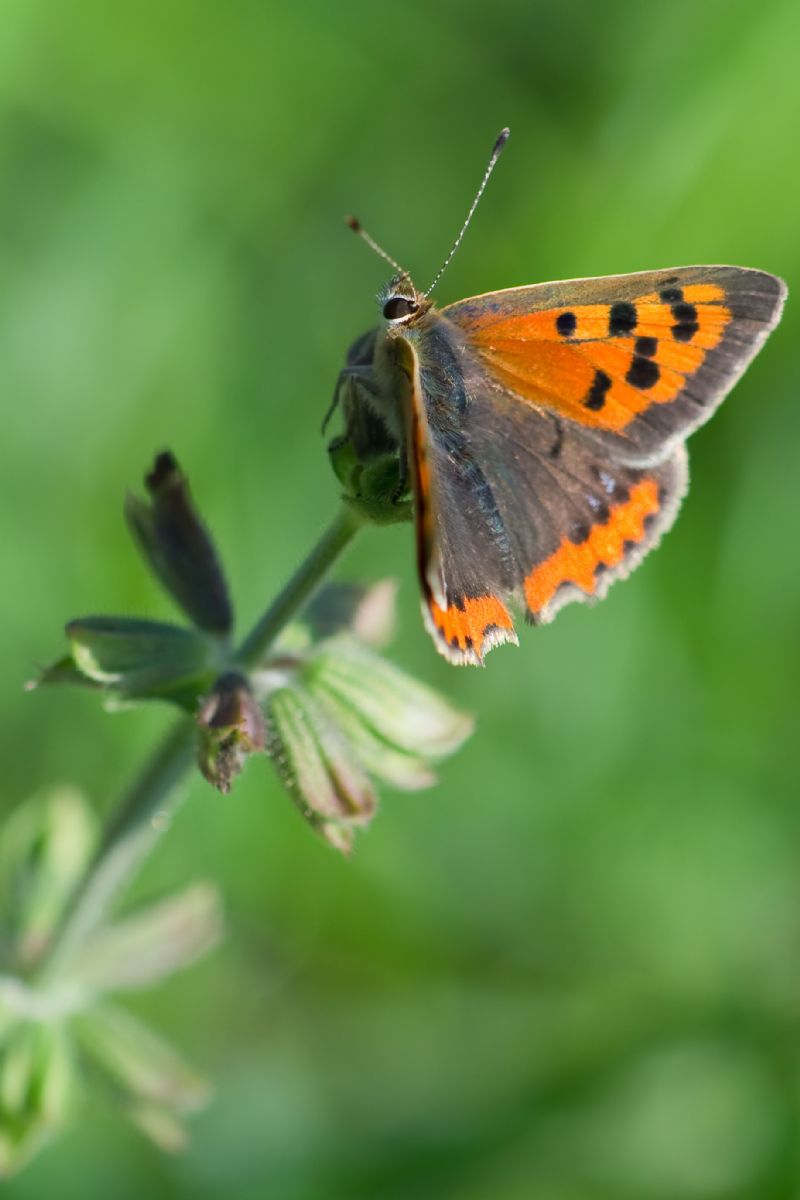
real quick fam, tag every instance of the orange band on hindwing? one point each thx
(467, 625)
(606, 546)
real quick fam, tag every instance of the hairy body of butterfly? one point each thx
(543, 429)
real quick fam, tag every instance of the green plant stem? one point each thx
(132, 832)
(300, 587)
(137, 824)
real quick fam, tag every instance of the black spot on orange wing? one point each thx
(621, 319)
(566, 324)
(646, 347)
(686, 323)
(643, 372)
(596, 396)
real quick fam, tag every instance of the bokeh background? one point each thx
(572, 969)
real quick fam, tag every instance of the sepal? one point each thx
(140, 949)
(136, 659)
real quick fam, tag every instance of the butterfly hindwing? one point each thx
(577, 518)
(464, 558)
(638, 360)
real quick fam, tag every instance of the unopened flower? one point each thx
(339, 715)
(231, 728)
(178, 548)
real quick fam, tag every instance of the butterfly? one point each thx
(543, 428)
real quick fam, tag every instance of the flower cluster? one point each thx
(328, 709)
(316, 697)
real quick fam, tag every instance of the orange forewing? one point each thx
(552, 356)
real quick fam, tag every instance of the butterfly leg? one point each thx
(364, 428)
(349, 377)
(402, 474)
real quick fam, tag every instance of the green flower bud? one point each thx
(317, 766)
(372, 485)
(393, 707)
(178, 548)
(37, 1085)
(46, 845)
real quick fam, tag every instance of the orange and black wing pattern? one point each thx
(640, 360)
(546, 432)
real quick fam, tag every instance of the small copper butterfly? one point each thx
(543, 427)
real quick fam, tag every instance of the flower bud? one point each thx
(368, 468)
(231, 728)
(46, 845)
(37, 1085)
(178, 547)
(317, 766)
(393, 706)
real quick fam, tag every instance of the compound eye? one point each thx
(397, 307)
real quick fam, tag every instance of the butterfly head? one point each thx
(401, 303)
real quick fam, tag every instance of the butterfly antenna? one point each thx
(356, 226)
(497, 150)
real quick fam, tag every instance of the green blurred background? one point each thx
(573, 969)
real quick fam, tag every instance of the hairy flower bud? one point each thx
(231, 729)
